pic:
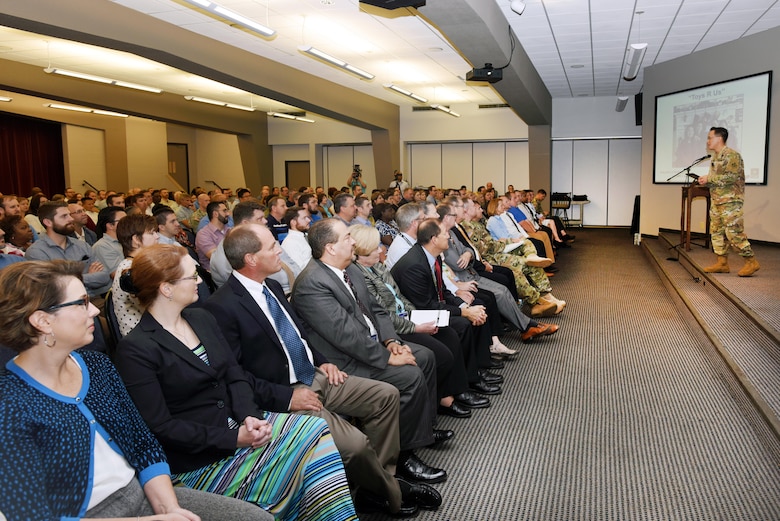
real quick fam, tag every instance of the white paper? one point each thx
(440, 316)
(512, 246)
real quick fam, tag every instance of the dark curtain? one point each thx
(30, 155)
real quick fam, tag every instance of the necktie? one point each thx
(439, 280)
(304, 370)
(359, 303)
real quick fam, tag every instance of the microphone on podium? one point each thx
(702, 158)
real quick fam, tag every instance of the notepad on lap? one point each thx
(440, 316)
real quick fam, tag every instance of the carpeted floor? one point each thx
(621, 415)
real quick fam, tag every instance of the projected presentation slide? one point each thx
(683, 119)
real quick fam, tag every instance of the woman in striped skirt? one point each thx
(198, 401)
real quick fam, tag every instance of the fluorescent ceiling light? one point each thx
(445, 109)
(74, 108)
(219, 103)
(239, 19)
(405, 92)
(312, 51)
(5, 98)
(101, 79)
(284, 115)
(636, 53)
(621, 103)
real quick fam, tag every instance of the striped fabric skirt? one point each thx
(297, 476)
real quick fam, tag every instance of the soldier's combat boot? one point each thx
(751, 266)
(721, 266)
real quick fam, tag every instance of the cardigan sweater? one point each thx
(46, 439)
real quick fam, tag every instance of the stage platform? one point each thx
(739, 315)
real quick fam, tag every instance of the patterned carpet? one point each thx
(624, 414)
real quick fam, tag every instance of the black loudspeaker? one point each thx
(394, 4)
(638, 109)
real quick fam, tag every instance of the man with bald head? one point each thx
(203, 201)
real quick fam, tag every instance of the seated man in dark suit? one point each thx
(418, 274)
(288, 375)
(354, 332)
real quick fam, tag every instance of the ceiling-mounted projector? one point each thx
(487, 73)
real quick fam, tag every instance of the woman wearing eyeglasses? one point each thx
(72, 444)
(194, 396)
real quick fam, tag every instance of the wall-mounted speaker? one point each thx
(638, 109)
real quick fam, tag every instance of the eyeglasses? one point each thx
(195, 277)
(83, 301)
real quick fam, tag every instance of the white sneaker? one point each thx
(501, 349)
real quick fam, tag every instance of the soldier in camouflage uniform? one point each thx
(726, 181)
(493, 251)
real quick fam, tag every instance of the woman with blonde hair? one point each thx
(71, 441)
(185, 380)
(454, 397)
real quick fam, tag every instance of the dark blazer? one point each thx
(255, 343)
(185, 402)
(335, 323)
(413, 275)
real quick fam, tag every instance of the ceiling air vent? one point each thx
(495, 106)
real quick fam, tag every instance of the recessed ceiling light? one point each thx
(435, 49)
(327, 2)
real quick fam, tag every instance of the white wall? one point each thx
(743, 57)
(147, 153)
(437, 148)
(84, 151)
(211, 155)
(218, 160)
(468, 163)
(597, 152)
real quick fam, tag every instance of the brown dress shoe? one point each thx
(539, 330)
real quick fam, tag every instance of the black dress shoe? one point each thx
(496, 364)
(413, 468)
(366, 502)
(420, 494)
(482, 387)
(455, 410)
(491, 378)
(442, 435)
(472, 401)
(552, 268)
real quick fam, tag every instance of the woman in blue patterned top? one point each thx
(71, 442)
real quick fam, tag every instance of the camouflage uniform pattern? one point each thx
(726, 181)
(493, 252)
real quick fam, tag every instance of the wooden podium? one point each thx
(689, 193)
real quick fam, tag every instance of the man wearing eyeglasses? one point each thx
(80, 230)
(57, 244)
